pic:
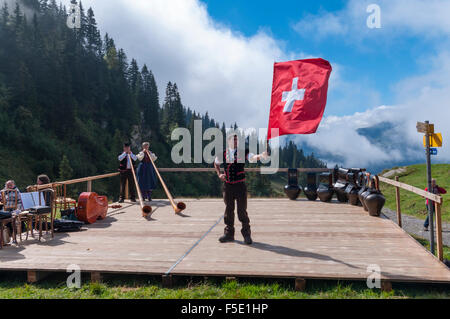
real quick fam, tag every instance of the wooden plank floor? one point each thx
(291, 239)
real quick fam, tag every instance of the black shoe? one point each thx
(248, 240)
(226, 239)
(133, 200)
(121, 201)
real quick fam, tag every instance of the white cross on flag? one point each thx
(299, 96)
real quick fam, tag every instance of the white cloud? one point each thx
(398, 17)
(321, 25)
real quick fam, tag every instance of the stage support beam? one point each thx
(167, 281)
(386, 286)
(96, 277)
(34, 276)
(300, 284)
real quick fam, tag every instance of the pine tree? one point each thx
(150, 100)
(93, 38)
(65, 170)
(4, 15)
(134, 77)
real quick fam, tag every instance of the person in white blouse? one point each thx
(146, 174)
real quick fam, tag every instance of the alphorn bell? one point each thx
(177, 207)
(146, 209)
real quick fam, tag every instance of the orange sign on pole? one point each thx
(435, 140)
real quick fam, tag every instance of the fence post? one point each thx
(89, 186)
(397, 198)
(440, 251)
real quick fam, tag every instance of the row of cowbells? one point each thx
(293, 190)
(353, 186)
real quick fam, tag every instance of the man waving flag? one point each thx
(299, 96)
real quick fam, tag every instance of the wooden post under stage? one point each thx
(89, 186)
(397, 199)
(440, 249)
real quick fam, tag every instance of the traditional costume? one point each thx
(126, 175)
(234, 189)
(146, 174)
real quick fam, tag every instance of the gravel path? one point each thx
(414, 226)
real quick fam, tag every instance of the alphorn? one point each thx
(177, 207)
(146, 209)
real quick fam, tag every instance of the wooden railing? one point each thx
(89, 180)
(438, 201)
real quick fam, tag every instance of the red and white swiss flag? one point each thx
(299, 96)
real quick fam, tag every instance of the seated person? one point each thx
(10, 192)
(12, 201)
(41, 180)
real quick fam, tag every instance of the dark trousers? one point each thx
(124, 177)
(231, 193)
(427, 221)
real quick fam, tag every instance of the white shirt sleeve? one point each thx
(122, 156)
(250, 158)
(217, 161)
(154, 157)
(140, 156)
(133, 157)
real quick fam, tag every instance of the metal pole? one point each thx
(430, 203)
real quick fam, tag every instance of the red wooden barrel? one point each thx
(91, 207)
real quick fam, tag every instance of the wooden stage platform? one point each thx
(292, 239)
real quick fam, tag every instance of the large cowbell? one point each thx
(363, 180)
(353, 186)
(325, 190)
(311, 188)
(373, 198)
(340, 177)
(292, 189)
(352, 190)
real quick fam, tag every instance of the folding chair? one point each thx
(43, 210)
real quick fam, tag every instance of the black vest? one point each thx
(234, 172)
(123, 163)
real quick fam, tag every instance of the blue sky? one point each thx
(377, 61)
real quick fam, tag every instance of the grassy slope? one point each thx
(413, 204)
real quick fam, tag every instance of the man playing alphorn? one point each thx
(234, 188)
(126, 173)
